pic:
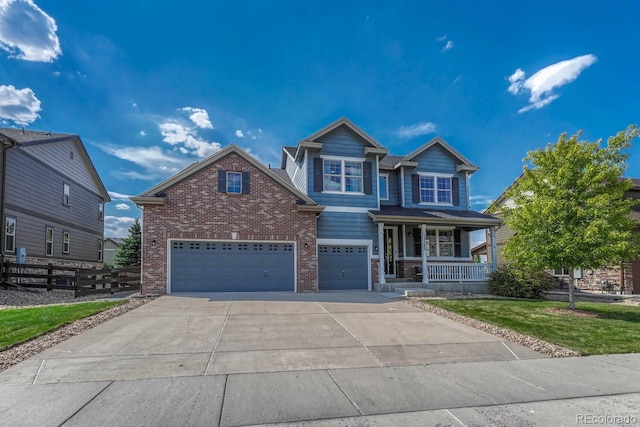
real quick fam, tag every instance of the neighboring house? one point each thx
(626, 276)
(53, 200)
(341, 213)
(110, 247)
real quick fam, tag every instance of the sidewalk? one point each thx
(518, 392)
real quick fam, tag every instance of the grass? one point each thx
(615, 330)
(22, 324)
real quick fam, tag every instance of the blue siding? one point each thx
(393, 188)
(343, 142)
(343, 225)
(436, 160)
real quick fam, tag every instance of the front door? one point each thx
(390, 251)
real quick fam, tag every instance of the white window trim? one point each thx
(66, 242)
(234, 172)
(437, 256)
(386, 181)
(342, 175)
(6, 234)
(101, 211)
(435, 176)
(46, 241)
(66, 194)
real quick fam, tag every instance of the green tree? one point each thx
(128, 254)
(568, 208)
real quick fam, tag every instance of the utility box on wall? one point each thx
(21, 256)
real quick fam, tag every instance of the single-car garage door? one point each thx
(343, 267)
(201, 266)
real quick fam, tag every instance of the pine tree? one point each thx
(128, 254)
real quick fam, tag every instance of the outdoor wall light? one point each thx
(153, 242)
(375, 248)
(306, 245)
(410, 234)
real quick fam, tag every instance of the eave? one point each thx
(310, 208)
(375, 150)
(305, 145)
(148, 200)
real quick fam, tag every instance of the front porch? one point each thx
(431, 249)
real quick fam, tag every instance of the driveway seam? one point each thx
(224, 323)
(86, 404)
(352, 334)
(355, 405)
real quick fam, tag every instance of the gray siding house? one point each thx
(111, 246)
(53, 199)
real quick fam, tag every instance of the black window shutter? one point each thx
(367, 176)
(246, 183)
(457, 243)
(222, 181)
(455, 191)
(317, 174)
(415, 188)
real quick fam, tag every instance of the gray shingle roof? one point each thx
(431, 213)
(390, 160)
(23, 135)
(290, 150)
(282, 174)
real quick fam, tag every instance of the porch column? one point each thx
(380, 253)
(423, 236)
(494, 250)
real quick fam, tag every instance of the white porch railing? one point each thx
(458, 272)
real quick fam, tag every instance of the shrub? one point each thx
(516, 282)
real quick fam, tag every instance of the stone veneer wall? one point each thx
(195, 210)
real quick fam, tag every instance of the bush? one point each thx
(515, 282)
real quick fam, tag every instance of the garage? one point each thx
(213, 266)
(343, 267)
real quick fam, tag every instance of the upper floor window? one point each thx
(435, 189)
(49, 241)
(66, 192)
(234, 182)
(10, 235)
(343, 176)
(384, 187)
(101, 211)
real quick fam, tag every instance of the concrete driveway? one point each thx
(243, 359)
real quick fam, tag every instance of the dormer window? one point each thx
(342, 176)
(435, 189)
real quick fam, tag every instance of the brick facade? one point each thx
(194, 209)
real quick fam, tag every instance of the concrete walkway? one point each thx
(353, 358)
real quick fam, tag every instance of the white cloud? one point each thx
(416, 130)
(480, 200)
(542, 84)
(18, 105)
(442, 38)
(143, 133)
(134, 105)
(239, 133)
(118, 196)
(155, 161)
(175, 133)
(199, 117)
(448, 46)
(27, 32)
(123, 207)
(117, 226)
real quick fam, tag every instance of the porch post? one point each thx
(423, 236)
(381, 253)
(494, 250)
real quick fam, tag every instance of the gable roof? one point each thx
(464, 165)
(343, 121)
(153, 195)
(26, 138)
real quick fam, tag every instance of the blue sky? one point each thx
(152, 86)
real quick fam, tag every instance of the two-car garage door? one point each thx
(207, 266)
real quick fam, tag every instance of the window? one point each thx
(49, 242)
(234, 182)
(10, 235)
(435, 189)
(100, 211)
(66, 191)
(100, 250)
(441, 243)
(384, 187)
(66, 238)
(561, 271)
(343, 176)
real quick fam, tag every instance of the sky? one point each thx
(153, 86)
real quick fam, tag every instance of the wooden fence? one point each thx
(81, 281)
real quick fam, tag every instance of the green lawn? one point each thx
(22, 324)
(616, 330)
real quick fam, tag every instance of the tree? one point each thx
(568, 208)
(128, 254)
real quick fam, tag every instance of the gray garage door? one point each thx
(343, 267)
(231, 266)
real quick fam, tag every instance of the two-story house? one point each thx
(53, 200)
(340, 213)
